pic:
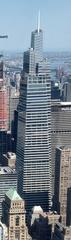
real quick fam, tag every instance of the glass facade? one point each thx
(37, 43)
(34, 127)
(34, 140)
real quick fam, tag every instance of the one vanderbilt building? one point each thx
(34, 127)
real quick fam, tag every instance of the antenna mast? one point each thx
(38, 21)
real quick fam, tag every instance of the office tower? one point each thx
(1, 67)
(13, 99)
(67, 91)
(5, 144)
(8, 178)
(3, 99)
(62, 180)
(60, 127)
(55, 90)
(69, 207)
(3, 108)
(34, 140)
(34, 129)
(62, 233)
(3, 112)
(17, 79)
(14, 215)
(14, 130)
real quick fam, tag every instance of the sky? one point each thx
(19, 17)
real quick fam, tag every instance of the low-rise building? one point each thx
(8, 178)
(14, 215)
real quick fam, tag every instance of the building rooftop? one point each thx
(59, 103)
(67, 147)
(10, 155)
(37, 209)
(13, 195)
(65, 103)
(6, 170)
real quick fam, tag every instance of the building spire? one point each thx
(38, 21)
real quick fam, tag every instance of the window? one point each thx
(17, 221)
(17, 235)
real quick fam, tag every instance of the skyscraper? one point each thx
(13, 99)
(3, 101)
(34, 134)
(3, 109)
(62, 180)
(61, 128)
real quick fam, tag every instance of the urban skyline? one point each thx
(35, 121)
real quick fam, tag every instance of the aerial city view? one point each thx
(35, 120)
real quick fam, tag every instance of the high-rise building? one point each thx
(34, 140)
(60, 127)
(8, 178)
(14, 215)
(3, 112)
(62, 180)
(14, 130)
(67, 91)
(1, 68)
(3, 99)
(34, 132)
(3, 109)
(13, 99)
(69, 207)
(5, 144)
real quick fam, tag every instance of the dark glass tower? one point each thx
(34, 138)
